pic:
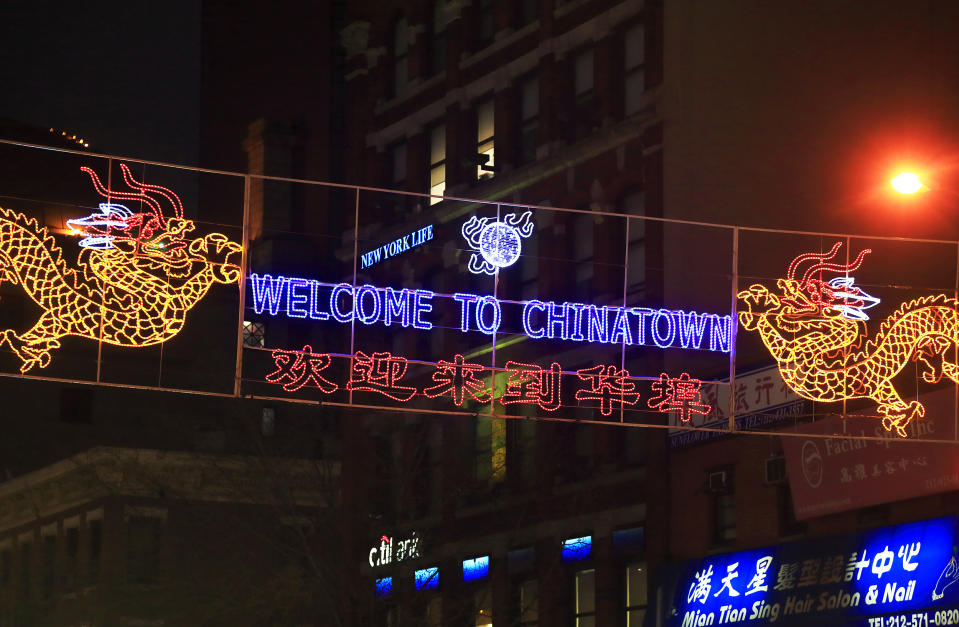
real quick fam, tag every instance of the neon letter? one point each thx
(527, 310)
(577, 334)
(421, 306)
(398, 305)
(339, 315)
(691, 326)
(598, 323)
(267, 292)
(294, 300)
(315, 313)
(554, 318)
(358, 305)
(621, 331)
(719, 333)
(642, 312)
(661, 340)
(465, 300)
(497, 315)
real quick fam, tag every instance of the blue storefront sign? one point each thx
(889, 577)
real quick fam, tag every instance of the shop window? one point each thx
(438, 38)
(485, 140)
(583, 94)
(528, 106)
(400, 51)
(437, 137)
(483, 607)
(635, 594)
(143, 548)
(484, 24)
(254, 334)
(527, 602)
(584, 598)
(635, 68)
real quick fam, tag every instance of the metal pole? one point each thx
(733, 324)
(244, 260)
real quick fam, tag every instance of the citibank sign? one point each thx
(390, 550)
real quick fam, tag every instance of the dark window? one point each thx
(485, 140)
(528, 106)
(96, 545)
(71, 558)
(6, 567)
(143, 548)
(397, 162)
(26, 568)
(437, 138)
(584, 598)
(438, 39)
(527, 12)
(49, 562)
(254, 334)
(526, 599)
(484, 23)
(634, 63)
(635, 585)
(583, 94)
(400, 51)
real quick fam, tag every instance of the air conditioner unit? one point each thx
(775, 470)
(717, 481)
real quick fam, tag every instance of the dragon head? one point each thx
(808, 300)
(153, 238)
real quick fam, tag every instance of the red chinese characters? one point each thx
(607, 384)
(533, 385)
(296, 369)
(456, 379)
(680, 394)
(379, 373)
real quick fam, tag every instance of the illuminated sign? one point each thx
(498, 243)
(577, 322)
(609, 387)
(905, 572)
(476, 569)
(811, 319)
(391, 550)
(137, 276)
(398, 246)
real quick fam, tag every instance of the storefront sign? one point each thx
(578, 322)
(392, 550)
(396, 247)
(901, 575)
(828, 475)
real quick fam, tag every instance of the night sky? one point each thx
(123, 75)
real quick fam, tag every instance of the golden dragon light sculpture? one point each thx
(814, 329)
(138, 273)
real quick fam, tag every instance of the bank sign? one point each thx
(902, 575)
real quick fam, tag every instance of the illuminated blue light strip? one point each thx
(383, 587)
(577, 322)
(577, 549)
(476, 568)
(427, 578)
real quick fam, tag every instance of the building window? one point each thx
(527, 600)
(521, 453)
(437, 162)
(583, 248)
(484, 24)
(383, 587)
(438, 40)
(529, 119)
(400, 51)
(527, 12)
(584, 598)
(634, 204)
(434, 612)
(724, 506)
(476, 568)
(143, 548)
(48, 561)
(254, 334)
(6, 566)
(426, 578)
(577, 549)
(397, 163)
(635, 594)
(484, 139)
(483, 607)
(26, 567)
(95, 528)
(634, 66)
(583, 94)
(489, 451)
(71, 556)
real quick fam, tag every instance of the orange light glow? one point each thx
(906, 183)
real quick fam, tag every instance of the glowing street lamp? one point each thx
(906, 183)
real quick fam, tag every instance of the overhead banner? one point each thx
(890, 577)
